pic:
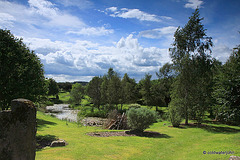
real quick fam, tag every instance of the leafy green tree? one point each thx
(128, 89)
(53, 88)
(65, 86)
(157, 94)
(21, 72)
(104, 89)
(94, 91)
(191, 57)
(227, 90)
(145, 90)
(114, 90)
(166, 77)
(77, 93)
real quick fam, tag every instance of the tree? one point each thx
(104, 89)
(166, 76)
(191, 57)
(77, 93)
(146, 89)
(227, 90)
(65, 86)
(157, 94)
(21, 71)
(94, 91)
(128, 89)
(114, 90)
(53, 88)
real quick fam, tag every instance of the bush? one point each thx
(174, 115)
(134, 106)
(138, 119)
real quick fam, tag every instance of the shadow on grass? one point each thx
(148, 134)
(43, 123)
(214, 129)
(44, 141)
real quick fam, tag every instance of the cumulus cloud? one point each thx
(194, 4)
(134, 13)
(87, 59)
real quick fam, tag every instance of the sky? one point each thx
(79, 39)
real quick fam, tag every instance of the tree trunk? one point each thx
(186, 116)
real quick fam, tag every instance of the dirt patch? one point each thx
(126, 133)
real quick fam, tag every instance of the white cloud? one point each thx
(67, 78)
(112, 9)
(42, 17)
(43, 7)
(132, 13)
(92, 31)
(87, 59)
(158, 32)
(6, 20)
(194, 4)
(221, 52)
(56, 17)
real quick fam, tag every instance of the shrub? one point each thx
(138, 119)
(174, 115)
(134, 106)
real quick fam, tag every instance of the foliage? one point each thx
(94, 91)
(114, 90)
(128, 89)
(193, 64)
(145, 91)
(134, 106)
(166, 77)
(227, 90)
(21, 71)
(139, 119)
(65, 86)
(77, 93)
(53, 88)
(173, 114)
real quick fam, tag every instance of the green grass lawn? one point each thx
(174, 143)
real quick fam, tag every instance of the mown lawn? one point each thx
(174, 143)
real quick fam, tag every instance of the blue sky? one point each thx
(79, 39)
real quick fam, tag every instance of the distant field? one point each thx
(174, 143)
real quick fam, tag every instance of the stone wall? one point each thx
(18, 131)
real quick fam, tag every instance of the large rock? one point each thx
(58, 143)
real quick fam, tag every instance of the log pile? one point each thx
(117, 122)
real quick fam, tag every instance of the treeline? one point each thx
(112, 91)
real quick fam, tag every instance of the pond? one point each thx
(63, 112)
